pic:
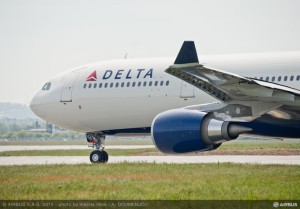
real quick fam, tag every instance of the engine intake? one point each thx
(182, 130)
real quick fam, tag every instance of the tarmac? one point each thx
(250, 159)
(68, 147)
(180, 159)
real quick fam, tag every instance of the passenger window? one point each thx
(139, 83)
(162, 83)
(128, 84)
(273, 78)
(298, 77)
(100, 85)
(95, 85)
(90, 85)
(111, 85)
(267, 78)
(150, 83)
(133, 84)
(117, 85)
(285, 78)
(122, 84)
(105, 85)
(261, 78)
(84, 86)
(145, 83)
(167, 83)
(156, 82)
(279, 78)
(292, 78)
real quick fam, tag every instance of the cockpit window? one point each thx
(46, 86)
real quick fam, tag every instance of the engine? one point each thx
(183, 130)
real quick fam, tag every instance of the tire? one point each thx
(105, 156)
(96, 156)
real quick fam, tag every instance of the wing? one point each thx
(231, 88)
(227, 86)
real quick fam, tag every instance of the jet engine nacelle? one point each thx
(183, 130)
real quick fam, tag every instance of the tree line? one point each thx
(21, 132)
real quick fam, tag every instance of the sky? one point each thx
(41, 38)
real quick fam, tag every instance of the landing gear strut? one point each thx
(98, 155)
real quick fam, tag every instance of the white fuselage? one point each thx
(103, 103)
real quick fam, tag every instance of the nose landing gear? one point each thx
(98, 155)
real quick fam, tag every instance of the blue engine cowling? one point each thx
(184, 130)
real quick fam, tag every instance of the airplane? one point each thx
(187, 104)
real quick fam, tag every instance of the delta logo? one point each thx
(92, 77)
(122, 74)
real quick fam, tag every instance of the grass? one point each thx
(261, 144)
(269, 147)
(128, 181)
(74, 152)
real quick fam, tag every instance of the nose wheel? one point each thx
(98, 155)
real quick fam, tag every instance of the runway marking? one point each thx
(265, 159)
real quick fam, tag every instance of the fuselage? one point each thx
(124, 96)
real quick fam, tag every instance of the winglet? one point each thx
(187, 53)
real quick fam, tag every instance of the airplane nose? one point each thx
(35, 105)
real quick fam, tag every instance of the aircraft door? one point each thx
(187, 90)
(66, 94)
